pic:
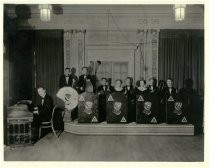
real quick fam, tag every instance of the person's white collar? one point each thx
(118, 89)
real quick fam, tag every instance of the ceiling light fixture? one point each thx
(45, 12)
(179, 12)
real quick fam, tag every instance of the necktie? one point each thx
(42, 101)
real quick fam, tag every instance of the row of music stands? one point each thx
(115, 108)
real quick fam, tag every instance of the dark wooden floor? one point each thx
(72, 147)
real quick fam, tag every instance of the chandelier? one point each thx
(179, 12)
(45, 12)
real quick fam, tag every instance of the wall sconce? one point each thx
(179, 12)
(45, 12)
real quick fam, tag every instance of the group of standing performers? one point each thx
(157, 93)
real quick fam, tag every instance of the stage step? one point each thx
(127, 129)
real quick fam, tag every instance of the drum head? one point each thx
(69, 96)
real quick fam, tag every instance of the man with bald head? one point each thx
(46, 105)
(42, 111)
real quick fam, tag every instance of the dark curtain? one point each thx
(181, 56)
(48, 60)
(20, 48)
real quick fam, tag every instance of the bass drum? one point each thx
(69, 97)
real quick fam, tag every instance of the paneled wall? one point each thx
(114, 32)
(139, 49)
(74, 49)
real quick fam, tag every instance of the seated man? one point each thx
(45, 107)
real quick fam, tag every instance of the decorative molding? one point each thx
(74, 48)
(148, 53)
(155, 37)
(143, 21)
(142, 34)
(67, 47)
(155, 21)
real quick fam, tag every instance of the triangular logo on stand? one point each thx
(110, 98)
(184, 120)
(81, 98)
(123, 119)
(153, 120)
(140, 98)
(170, 98)
(94, 119)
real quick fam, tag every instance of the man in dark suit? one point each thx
(193, 105)
(169, 90)
(110, 88)
(130, 93)
(168, 94)
(102, 92)
(74, 78)
(103, 86)
(46, 106)
(44, 111)
(83, 79)
(129, 89)
(65, 79)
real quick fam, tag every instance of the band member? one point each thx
(95, 74)
(168, 94)
(128, 88)
(193, 105)
(130, 93)
(144, 103)
(141, 88)
(103, 86)
(118, 86)
(74, 78)
(161, 86)
(110, 88)
(153, 85)
(153, 97)
(169, 90)
(65, 79)
(45, 107)
(84, 79)
(102, 91)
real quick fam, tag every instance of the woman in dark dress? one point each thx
(118, 86)
(141, 88)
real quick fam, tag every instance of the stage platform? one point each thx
(127, 129)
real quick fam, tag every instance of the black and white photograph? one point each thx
(103, 82)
